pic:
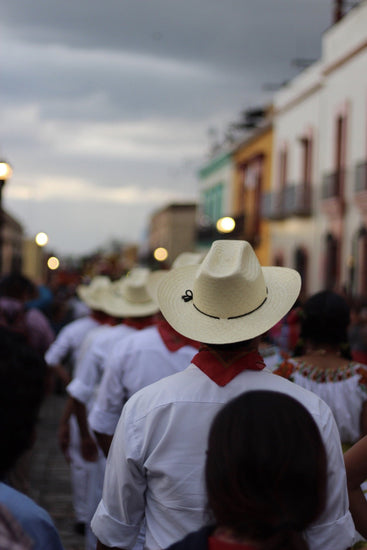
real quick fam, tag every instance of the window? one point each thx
(213, 202)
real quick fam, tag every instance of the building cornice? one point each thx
(344, 59)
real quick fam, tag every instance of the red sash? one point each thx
(172, 339)
(222, 367)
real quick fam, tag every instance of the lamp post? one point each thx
(5, 173)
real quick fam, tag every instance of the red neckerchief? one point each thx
(102, 318)
(222, 367)
(140, 322)
(172, 339)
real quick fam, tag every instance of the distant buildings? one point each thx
(174, 228)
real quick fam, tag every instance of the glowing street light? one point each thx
(53, 263)
(226, 225)
(41, 238)
(6, 170)
(160, 254)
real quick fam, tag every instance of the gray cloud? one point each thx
(100, 96)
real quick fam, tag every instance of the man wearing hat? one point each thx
(155, 465)
(129, 303)
(70, 337)
(140, 360)
(67, 345)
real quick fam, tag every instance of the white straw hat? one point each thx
(92, 294)
(183, 259)
(129, 297)
(229, 297)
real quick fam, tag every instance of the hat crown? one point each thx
(91, 293)
(187, 258)
(134, 287)
(99, 281)
(230, 281)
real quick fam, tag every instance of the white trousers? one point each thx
(85, 476)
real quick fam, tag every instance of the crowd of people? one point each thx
(206, 407)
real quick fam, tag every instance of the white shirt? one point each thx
(92, 361)
(343, 389)
(156, 462)
(135, 362)
(69, 341)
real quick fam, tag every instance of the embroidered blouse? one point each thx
(344, 389)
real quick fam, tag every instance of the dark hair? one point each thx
(234, 346)
(266, 469)
(325, 318)
(22, 387)
(15, 285)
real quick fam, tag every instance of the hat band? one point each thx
(188, 296)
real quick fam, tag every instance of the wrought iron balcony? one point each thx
(332, 185)
(297, 200)
(293, 200)
(272, 206)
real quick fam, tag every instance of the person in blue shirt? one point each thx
(22, 383)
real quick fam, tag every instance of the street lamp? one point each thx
(226, 224)
(41, 238)
(53, 263)
(160, 254)
(5, 173)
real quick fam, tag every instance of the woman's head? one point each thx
(266, 466)
(325, 318)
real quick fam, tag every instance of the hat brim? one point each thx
(85, 295)
(155, 280)
(283, 287)
(118, 307)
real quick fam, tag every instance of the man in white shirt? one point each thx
(137, 361)
(69, 340)
(155, 465)
(130, 299)
(68, 344)
(140, 360)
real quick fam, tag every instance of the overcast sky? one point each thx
(105, 105)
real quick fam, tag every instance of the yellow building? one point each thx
(252, 178)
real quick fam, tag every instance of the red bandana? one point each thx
(172, 339)
(224, 366)
(140, 322)
(102, 318)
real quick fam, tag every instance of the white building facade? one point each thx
(318, 204)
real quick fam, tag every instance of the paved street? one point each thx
(49, 476)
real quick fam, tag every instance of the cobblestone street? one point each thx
(49, 475)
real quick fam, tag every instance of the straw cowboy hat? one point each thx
(229, 297)
(92, 294)
(183, 259)
(129, 296)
